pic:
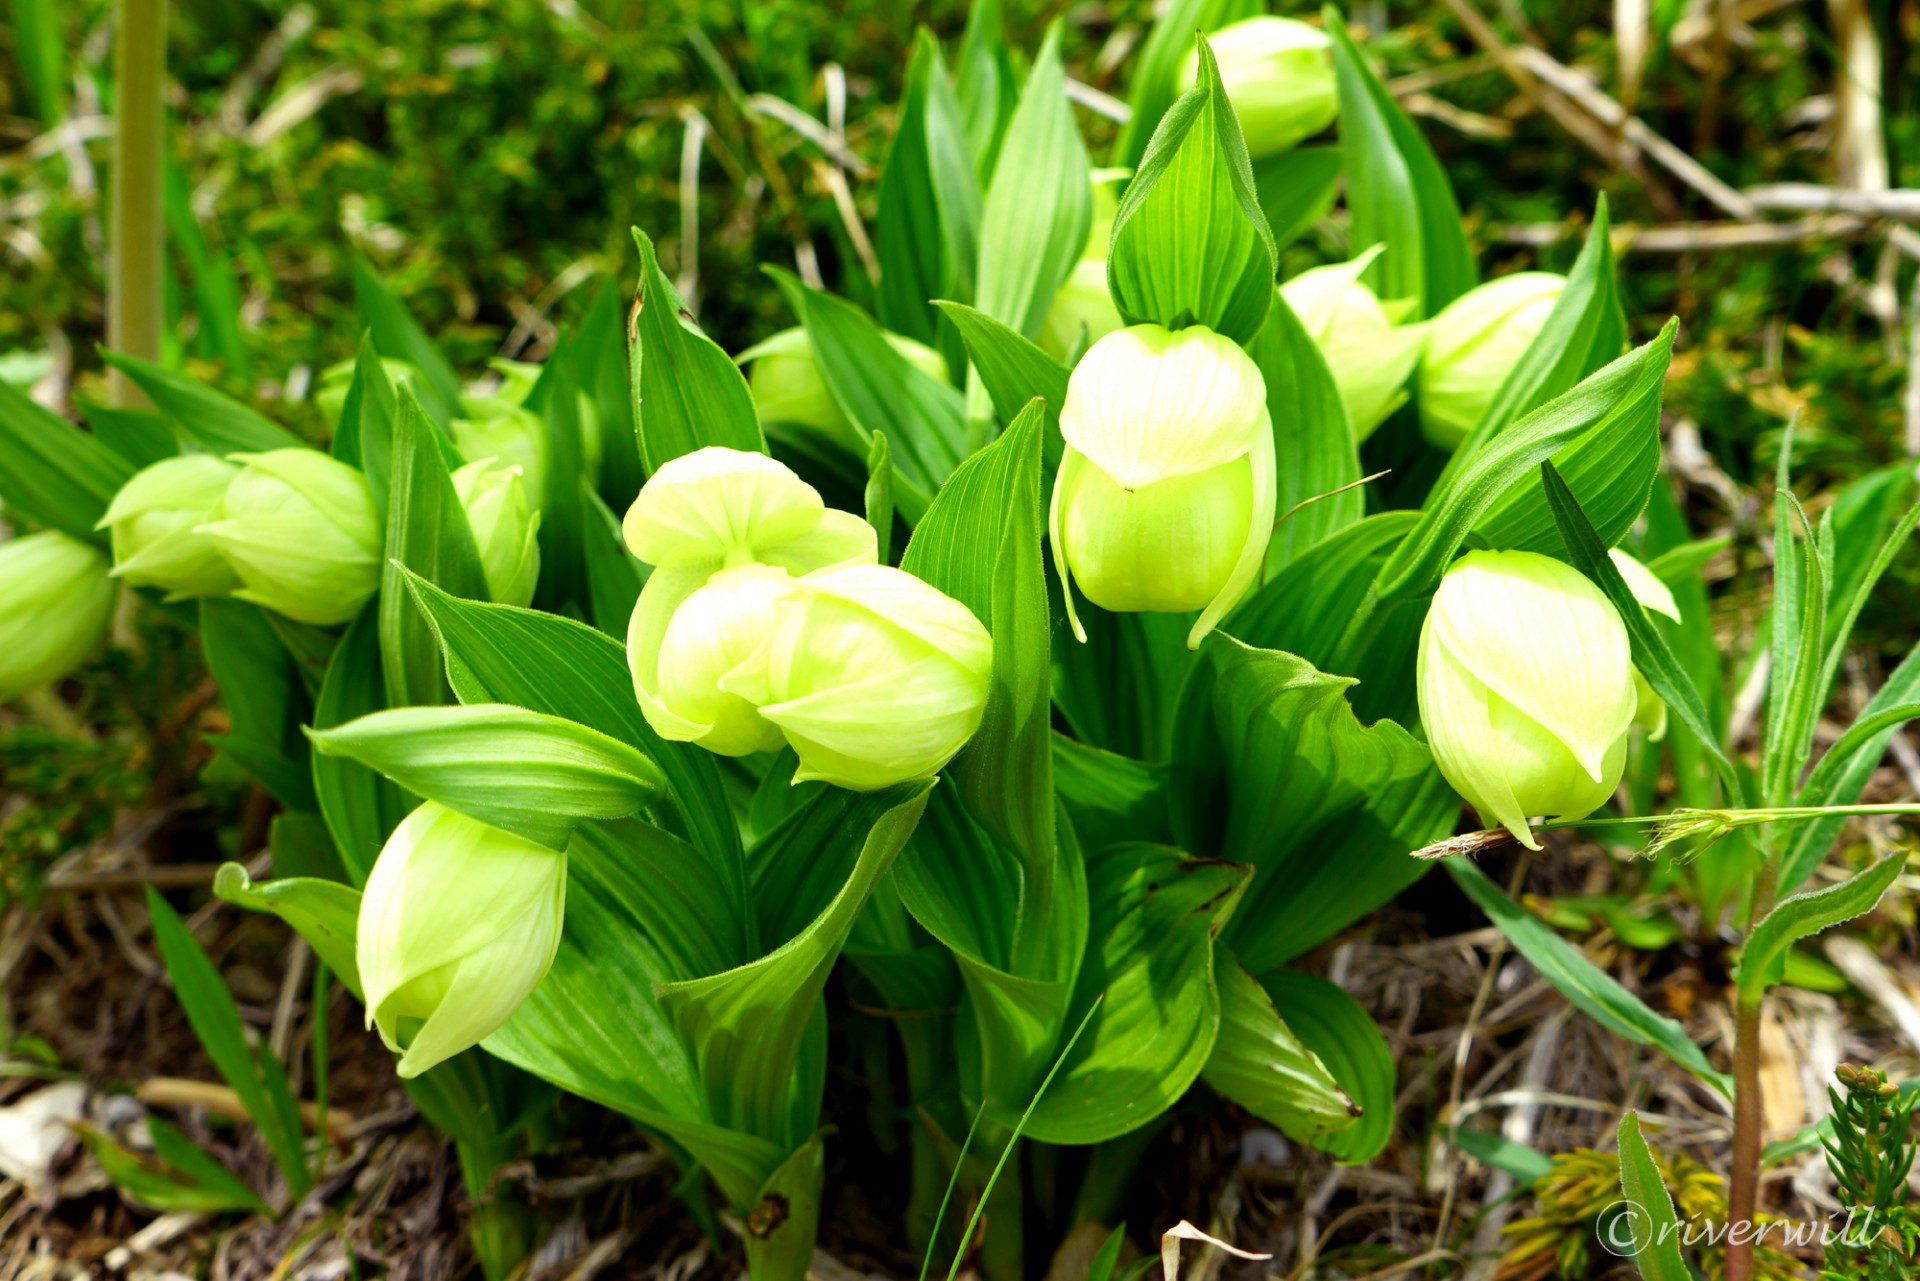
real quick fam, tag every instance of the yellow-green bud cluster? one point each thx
(766, 620)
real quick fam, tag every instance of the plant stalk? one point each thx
(136, 290)
(1749, 1118)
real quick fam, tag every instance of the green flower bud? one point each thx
(517, 381)
(300, 530)
(1650, 712)
(1369, 355)
(1082, 305)
(1473, 344)
(874, 677)
(725, 530)
(709, 634)
(505, 529)
(458, 924)
(1526, 688)
(787, 387)
(1278, 74)
(54, 611)
(155, 521)
(509, 435)
(1165, 496)
(330, 392)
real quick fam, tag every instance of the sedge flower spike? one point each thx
(873, 676)
(55, 606)
(1369, 355)
(1278, 74)
(1165, 496)
(505, 529)
(300, 530)
(1650, 711)
(1473, 344)
(458, 924)
(1525, 688)
(726, 531)
(155, 521)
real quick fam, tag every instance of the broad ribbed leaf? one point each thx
(882, 392)
(1039, 206)
(140, 436)
(219, 423)
(427, 535)
(1343, 1036)
(1109, 798)
(1153, 913)
(927, 228)
(52, 471)
(360, 807)
(1272, 768)
(1397, 193)
(1622, 401)
(1190, 242)
(1312, 440)
(687, 392)
(498, 654)
(1155, 81)
(980, 544)
(1259, 1063)
(1014, 371)
(1591, 990)
(525, 772)
(398, 336)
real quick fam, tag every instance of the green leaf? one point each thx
(1655, 1233)
(498, 654)
(563, 517)
(364, 438)
(927, 228)
(877, 498)
(359, 806)
(1153, 913)
(1309, 609)
(1583, 333)
(984, 85)
(1155, 81)
(1621, 399)
(140, 436)
(216, 1022)
(1260, 1064)
(882, 392)
(789, 1207)
(534, 775)
(1013, 369)
(216, 290)
(217, 422)
(53, 472)
(1589, 988)
(39, 50)
(1587, 552)
(1296, 189)
(1118, 689)
(600, 346)
(1842, 774)
(1501, 1153)
(614, 574)
(179, 1177)
(1397, 192)
(1039, 206)
(398, 336)
(427, 535)
(1312, 440)
(1795, 698)
(1763, 959)
(324, 913)
(1272, 768)
(687, 392)
(1190, 242)
(1334, 1027)
(1109, 798)
(745, 1025)
(266, 700)
(980, 544)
